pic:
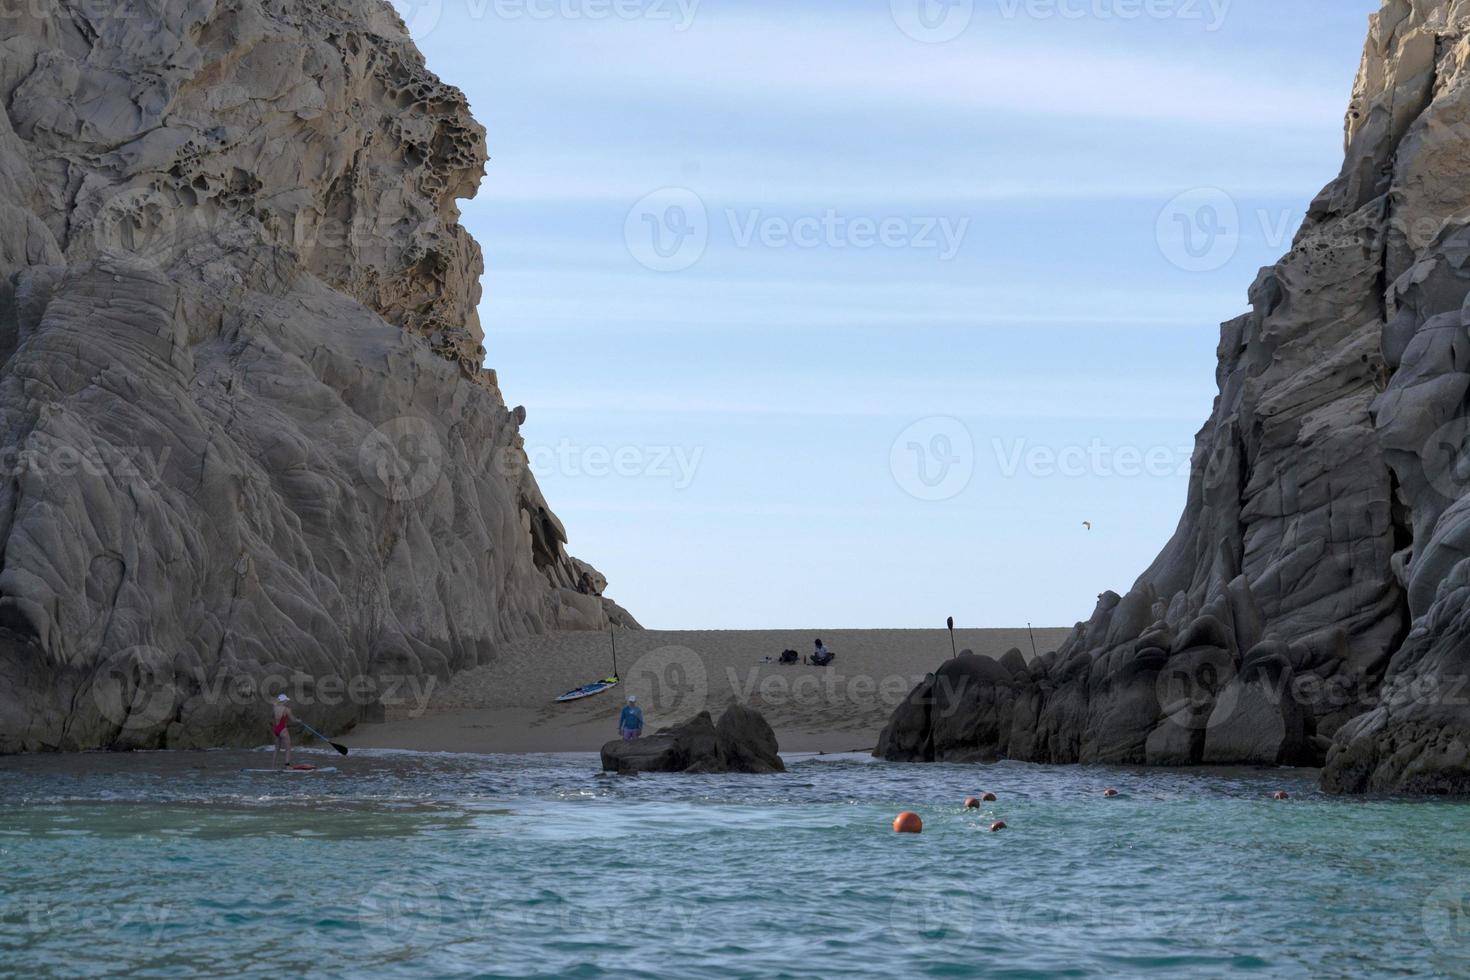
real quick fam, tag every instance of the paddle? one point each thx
(340, 748)
(951, 637)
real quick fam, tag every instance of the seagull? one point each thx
(1087, 524)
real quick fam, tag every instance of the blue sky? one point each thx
(823, 320)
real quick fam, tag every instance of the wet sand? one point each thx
(509, 706)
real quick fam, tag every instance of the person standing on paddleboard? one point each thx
(280, 729)
(630, 723)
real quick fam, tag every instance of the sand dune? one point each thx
(509, 706)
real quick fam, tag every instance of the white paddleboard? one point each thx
(291, 772)
(589, 690)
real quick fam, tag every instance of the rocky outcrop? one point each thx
(742, 742)
(250, 442)
(1312, 605)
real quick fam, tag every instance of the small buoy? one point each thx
(988, 797)
(1281, 795)
(998, 826)
(1110, 793)
(971, 803)
(908, 823)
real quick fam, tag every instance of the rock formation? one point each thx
(249, 440)
(741, 742)
(1314, 604)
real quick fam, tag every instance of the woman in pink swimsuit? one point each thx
(279, 729)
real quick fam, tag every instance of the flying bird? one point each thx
(1087, 524)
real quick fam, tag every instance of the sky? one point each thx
(855, 313)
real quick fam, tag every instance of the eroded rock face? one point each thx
(249, 441)
(1315, 600)
(742, 742)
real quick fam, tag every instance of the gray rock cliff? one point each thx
(1314, 604)
(249, 442)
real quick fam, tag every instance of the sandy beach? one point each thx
(509, 706)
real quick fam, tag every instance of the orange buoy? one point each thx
(908, 823)
(998, 826)
(1281, 795)
(971, 803)
(988, 797)
(1110, 792)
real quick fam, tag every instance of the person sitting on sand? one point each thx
(821, 656)
(630, 723)
(280, 730)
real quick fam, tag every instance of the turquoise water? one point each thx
(173, 864)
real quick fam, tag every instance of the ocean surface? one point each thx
(406, 864)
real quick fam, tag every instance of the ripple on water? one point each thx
(403, 864)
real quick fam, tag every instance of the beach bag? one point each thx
(789, 657)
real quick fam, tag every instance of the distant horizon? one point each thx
(819, 315)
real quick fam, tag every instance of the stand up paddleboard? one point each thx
(596, 687)
(589, 690)
(292, 770)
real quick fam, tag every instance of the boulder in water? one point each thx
(742, 742)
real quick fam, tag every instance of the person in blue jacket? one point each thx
(630, 723)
